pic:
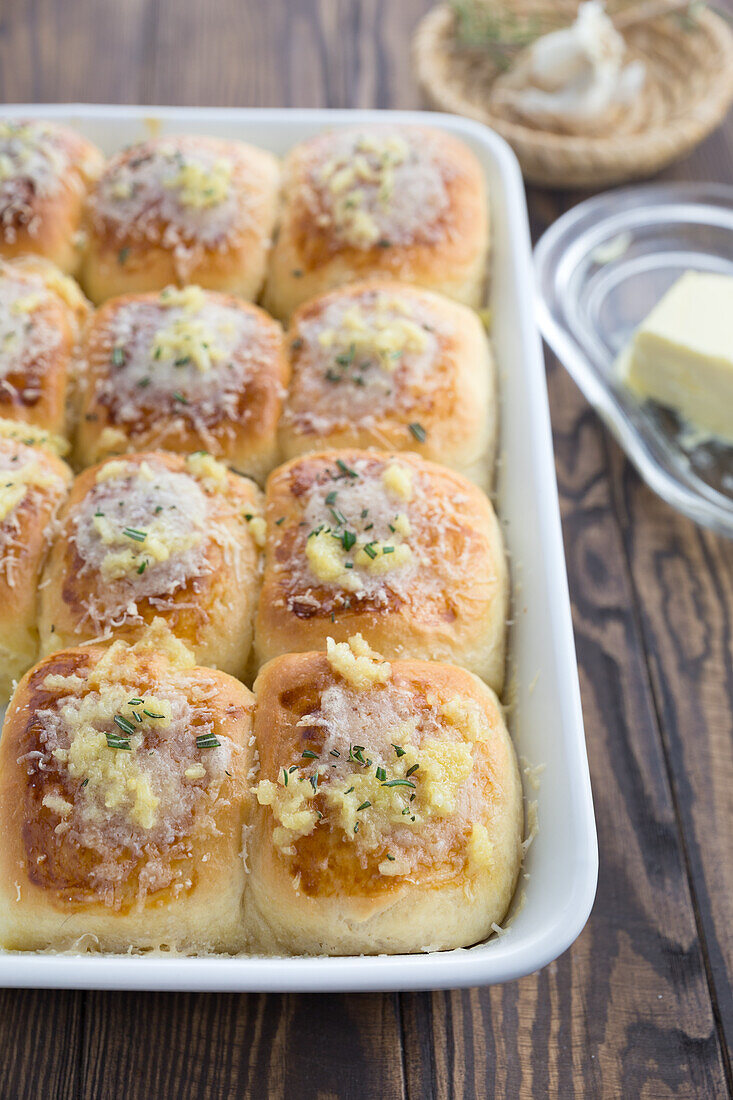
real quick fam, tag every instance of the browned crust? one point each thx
(62, 873)
(308, 258)
(56, 216)
(323, 865)
(247, 440)
(120, 261)
(454, 411)
(206, 602)
(452, 616)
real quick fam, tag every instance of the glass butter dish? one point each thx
(600, 270)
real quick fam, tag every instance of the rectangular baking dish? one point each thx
(557, 886)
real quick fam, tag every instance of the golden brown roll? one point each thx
(403, 202)
(156, 535)
(389, 813)
(45, 173)
(124, 775)
(407, 552)
(33, 481)
(180, 370)
(381, 364)
(37, 335)
(181, 209)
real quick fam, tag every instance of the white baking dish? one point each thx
(561, 867)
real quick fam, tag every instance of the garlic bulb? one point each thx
(573, 80)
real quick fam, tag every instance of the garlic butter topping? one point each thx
(132, 769)
(184, 194)
(389, 778)
(361, 357)
(573, 79)
(185, 353)
(27, 336)
(378, 187)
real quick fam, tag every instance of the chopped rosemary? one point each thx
(114, 741)
(133, 533)
(412, 770)
(390, 858)
(135, 702)
(381, 774)
(310, 754)
(152, 714)
(142, 565)
(123, 724)
(180, 398)
(118, 356)
(419, 432)
(331, 498)
(345, 470)
(369, 550)
(398, 749)
(207, 741)
(122, 255)
(399, 783)
(348, 539)
(285, 776)
(364, 806)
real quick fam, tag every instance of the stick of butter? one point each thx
(682, 354)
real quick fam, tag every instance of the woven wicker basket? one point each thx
(687, 92)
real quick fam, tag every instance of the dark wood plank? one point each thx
(220, 1046)
(40, 1041)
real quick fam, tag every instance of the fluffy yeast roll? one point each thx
(403, 550)
(38, 330)
(406, 202)
(156, 535)
(180, 370)
(389, 813)
(33, 481)
(181, 209)
(124, 776)
(382, 364)
(45, 173)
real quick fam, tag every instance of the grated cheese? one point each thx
(383, 186)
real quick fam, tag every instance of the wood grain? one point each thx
(640, 1006)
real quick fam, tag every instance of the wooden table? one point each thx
(641, 1006)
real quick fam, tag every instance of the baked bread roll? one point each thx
(403, 202)
(405, 551)
(156, 535)
(37, 334)
(45, 173)
(381, 364)
(181, 209)
(66, 289)
(181, 370)
(124, 775)
(389, 813)
(33, 481)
